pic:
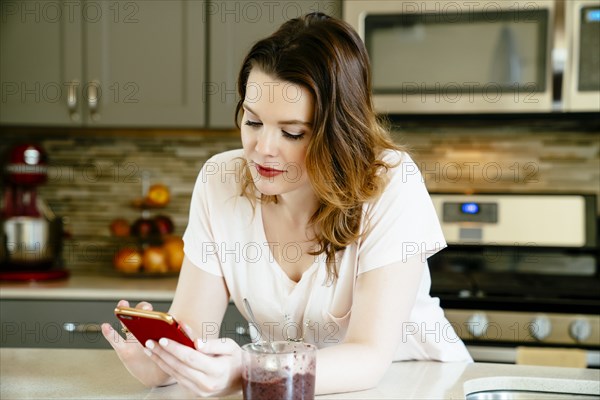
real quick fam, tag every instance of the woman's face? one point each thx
(276, 129)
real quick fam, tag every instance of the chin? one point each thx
(268, 190)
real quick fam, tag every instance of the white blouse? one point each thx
(225, 236)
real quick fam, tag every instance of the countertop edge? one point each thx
(84, 294)
(550, 385)
(26, 373)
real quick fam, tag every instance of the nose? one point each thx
(267, 143)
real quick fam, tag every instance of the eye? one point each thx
(296, 136)
(253, 124)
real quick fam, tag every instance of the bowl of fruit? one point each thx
(150, 260)
(148, 246)
(156, 196)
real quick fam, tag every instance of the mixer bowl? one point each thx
(31, 241)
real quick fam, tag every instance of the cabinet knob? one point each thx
(580, 329)
(477, 324)
(240, 330)
(540, 327)
(82, 328)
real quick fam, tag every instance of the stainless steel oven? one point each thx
(520, 272)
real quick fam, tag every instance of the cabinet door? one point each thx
(40, 62)
(145, 64)
(234, 26)
(235, 326)
(58, 323)
(76, 324)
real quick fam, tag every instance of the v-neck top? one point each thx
(277, 269)
(225, 237)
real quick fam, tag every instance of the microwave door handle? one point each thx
(506, 68)
(514, 60)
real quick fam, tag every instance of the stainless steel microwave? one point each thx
(581, 82)
(458, 56)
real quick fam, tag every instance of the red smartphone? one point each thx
(152, 325)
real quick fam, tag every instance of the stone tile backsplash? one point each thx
(95, 174)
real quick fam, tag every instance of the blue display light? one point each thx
(469, 208)
(593, 16)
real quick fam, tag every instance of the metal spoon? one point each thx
(255, 323)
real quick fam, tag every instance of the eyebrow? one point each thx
(288, 122)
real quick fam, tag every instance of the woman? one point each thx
(321, 222)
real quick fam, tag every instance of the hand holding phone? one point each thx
(152, 325)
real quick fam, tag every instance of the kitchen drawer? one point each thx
(234, 326)
(76, 324)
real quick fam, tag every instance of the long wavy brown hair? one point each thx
(343, 160)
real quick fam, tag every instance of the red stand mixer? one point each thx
(31, 233)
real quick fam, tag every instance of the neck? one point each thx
(297, 207)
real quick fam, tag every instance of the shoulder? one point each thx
(224, 164)
(404, 186)
(228, 156)
(403, 174)
(220, 176)
(402, 221)
(400, 162)
(223, 167)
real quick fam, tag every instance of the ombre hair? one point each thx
(344, 156)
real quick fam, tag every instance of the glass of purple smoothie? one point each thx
(283, 371)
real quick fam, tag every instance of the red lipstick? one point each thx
(268, 172)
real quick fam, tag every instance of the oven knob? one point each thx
(477, 324)
(580, 329)
(540, 327)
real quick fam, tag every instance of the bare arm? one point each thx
(200, 299)
(383, 301)
(214, 366)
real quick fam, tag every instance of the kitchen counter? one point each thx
(93, 287)
(82, 373)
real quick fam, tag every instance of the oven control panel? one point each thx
(525, 327)
(514, 219)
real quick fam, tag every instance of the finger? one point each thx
(193, 386)
(113, 337)
(171, 349)
(215, 347)
(176, 354)
(109, 334)
(122, 303)
(173, 365)
(169, 367)
(144, 305)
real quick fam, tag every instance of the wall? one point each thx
(516, 156)
(95, 174)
